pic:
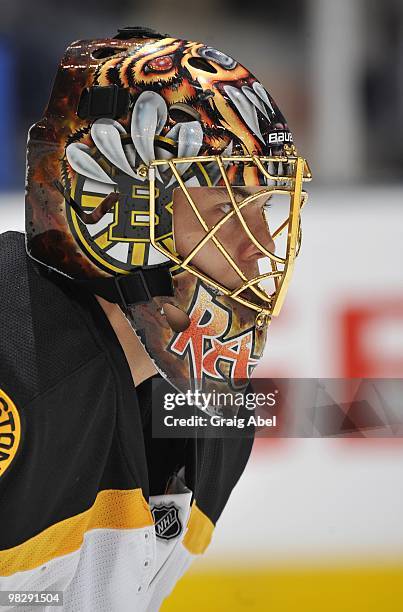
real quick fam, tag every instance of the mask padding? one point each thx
(138, 32)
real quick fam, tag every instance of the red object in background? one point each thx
(372, 337)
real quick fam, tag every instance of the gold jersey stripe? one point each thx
(112, 509)
(138, 254)
(199, 532)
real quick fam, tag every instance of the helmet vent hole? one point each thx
(202, 64)
(103, 52)
(182, 113)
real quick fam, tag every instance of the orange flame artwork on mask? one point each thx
(206, 347)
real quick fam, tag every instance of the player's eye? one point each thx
(267, 204)
(225, 208)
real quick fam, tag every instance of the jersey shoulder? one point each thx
(44, 335)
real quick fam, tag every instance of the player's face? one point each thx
(214, 204)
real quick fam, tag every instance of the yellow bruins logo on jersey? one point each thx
(10, 431)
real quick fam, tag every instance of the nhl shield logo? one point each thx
(167, 522)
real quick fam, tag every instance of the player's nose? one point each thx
(258, 227)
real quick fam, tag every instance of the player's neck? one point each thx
(139, 362)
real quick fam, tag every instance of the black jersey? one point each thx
(79, 456)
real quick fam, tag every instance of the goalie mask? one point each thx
(164, 178)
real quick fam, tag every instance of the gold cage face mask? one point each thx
(233, 228)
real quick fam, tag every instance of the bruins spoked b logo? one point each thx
(10, 431)
(167, 522)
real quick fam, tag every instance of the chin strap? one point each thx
(138, 287)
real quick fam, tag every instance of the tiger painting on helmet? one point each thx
(134, 134)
